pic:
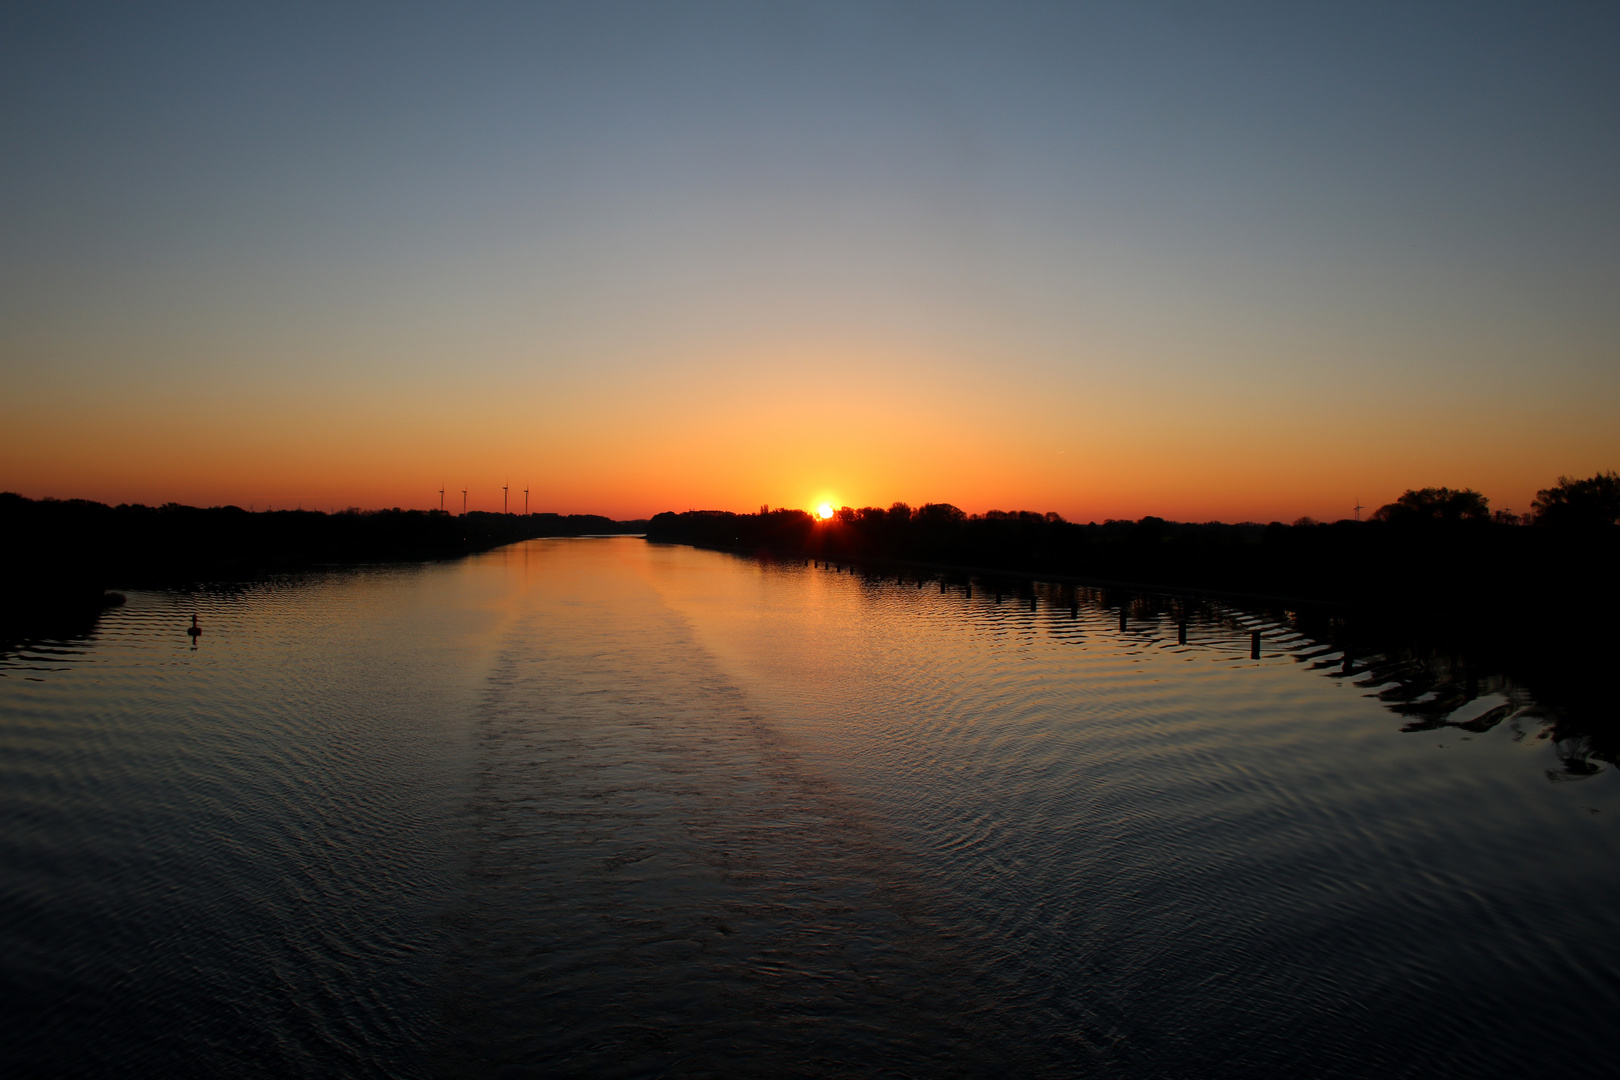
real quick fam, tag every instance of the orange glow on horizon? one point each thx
(737, 430)
(722, 263)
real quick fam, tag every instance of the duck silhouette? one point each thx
(194, 630)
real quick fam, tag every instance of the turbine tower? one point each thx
(503, 496)
(1358, 507)
(463, 502)
(441, 500)
(525, 502)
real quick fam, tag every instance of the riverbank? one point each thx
(1438, 568)
(1534, 600)
(58, 559)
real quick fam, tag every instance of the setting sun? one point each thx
(825, 510)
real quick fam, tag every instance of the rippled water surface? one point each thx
(599, 807)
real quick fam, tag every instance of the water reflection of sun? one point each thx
(825, 510)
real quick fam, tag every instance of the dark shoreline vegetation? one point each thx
(62, 556)
(1434, 577)
(1433, 551)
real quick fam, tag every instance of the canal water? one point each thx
(596, 807)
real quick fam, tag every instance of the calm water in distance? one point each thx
(604, 808)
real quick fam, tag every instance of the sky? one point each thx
(1234, 261)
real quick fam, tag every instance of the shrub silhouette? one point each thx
(1590, 502)
(1425, 505)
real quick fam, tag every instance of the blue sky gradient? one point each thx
(1204, 261)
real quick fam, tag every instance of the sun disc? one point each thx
(825, 510)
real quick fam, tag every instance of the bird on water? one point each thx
(194, 630)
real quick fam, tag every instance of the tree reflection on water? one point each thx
(1432, 674)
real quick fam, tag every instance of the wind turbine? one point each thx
(1358, 508)
(463, 502)
(503, 496)
(441, 500)
(525, 502)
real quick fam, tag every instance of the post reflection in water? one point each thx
(596, 806)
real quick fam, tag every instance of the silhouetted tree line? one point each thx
(60, 556)
(1436, 573)
(1434, 549)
